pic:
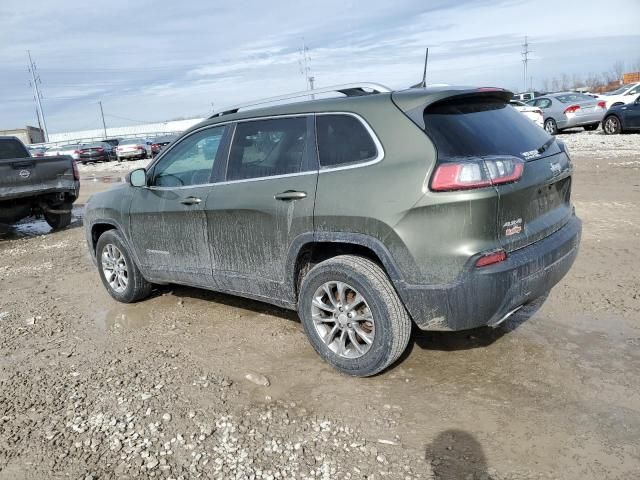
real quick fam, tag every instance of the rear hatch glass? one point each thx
(481, 127)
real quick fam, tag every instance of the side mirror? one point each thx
(138, 178)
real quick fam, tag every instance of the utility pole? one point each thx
(305, 66)
(525, 60)
(35, 80)
(104, 125)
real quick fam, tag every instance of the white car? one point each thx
(134, 148)
(532, 113)
(622, 96)
(73, 150)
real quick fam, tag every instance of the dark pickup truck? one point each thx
(29, 186)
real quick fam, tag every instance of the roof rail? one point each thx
(349, 90)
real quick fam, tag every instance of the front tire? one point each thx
(353, 316)
(118, 272)
(551, 126)
(591, 127)
(611, 125)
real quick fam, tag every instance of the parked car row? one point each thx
(106, 151)
(570, 109)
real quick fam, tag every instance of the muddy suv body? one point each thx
(442, 207)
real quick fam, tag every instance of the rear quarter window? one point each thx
(478, 127)
(11, 148)
(343, 140)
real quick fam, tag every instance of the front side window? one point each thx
(190, 161)
(343, 139)
(264, 148)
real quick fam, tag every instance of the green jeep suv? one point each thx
(439, 207)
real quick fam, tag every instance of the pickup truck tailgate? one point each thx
(25, 177)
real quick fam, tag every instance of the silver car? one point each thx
(568, 110)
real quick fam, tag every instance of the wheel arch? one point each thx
(310, 249)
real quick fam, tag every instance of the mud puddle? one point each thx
(33, 227)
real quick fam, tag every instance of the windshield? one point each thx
(619, 91)
(483, 127)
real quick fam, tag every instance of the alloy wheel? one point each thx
(114, 267)
(611, 125)
(343, 319)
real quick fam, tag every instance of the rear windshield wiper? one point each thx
(546, 145)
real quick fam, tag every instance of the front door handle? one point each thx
(290, 195)
(190, 201)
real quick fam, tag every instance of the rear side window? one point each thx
(477, 127)
(343, 139)
(11, 148)
(264, 148)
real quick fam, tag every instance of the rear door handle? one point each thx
(190, 201)
(290, 195)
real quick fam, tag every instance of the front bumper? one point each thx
(485, 296)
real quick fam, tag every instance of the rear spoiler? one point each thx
(414, 101)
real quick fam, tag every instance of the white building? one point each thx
(148, 130)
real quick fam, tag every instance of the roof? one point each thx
(355, 100)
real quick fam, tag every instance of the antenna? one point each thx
(424, 73)
(304, 62)
(423, 83)
(525, 60)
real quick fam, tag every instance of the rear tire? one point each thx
(592, 127)
(611, 125)
(551, 126)
(58, 221)
(378, 330)
(117, 270)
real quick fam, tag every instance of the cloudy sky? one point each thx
(153, 60)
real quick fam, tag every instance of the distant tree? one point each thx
(576, 81)
(618, 69)
(555, 85)
(636, 65)
(566, 83)
(545, 85)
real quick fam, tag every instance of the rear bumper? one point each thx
(132, 153)
(484, 296)
(578, 121)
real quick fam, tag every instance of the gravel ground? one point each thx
(91, 389)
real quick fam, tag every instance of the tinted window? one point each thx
(190, 161)
(342, 139)
(12, 149)
(263, 148)
(482, 127)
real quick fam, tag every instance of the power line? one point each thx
(35, 80)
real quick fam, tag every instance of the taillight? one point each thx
(491, 258)
(100, 149)
(572, 109)
(602, 105)
(538, 111)
(467, 175)
(76, 173)
(77, 152)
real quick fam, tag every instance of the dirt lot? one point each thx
(93, 389)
